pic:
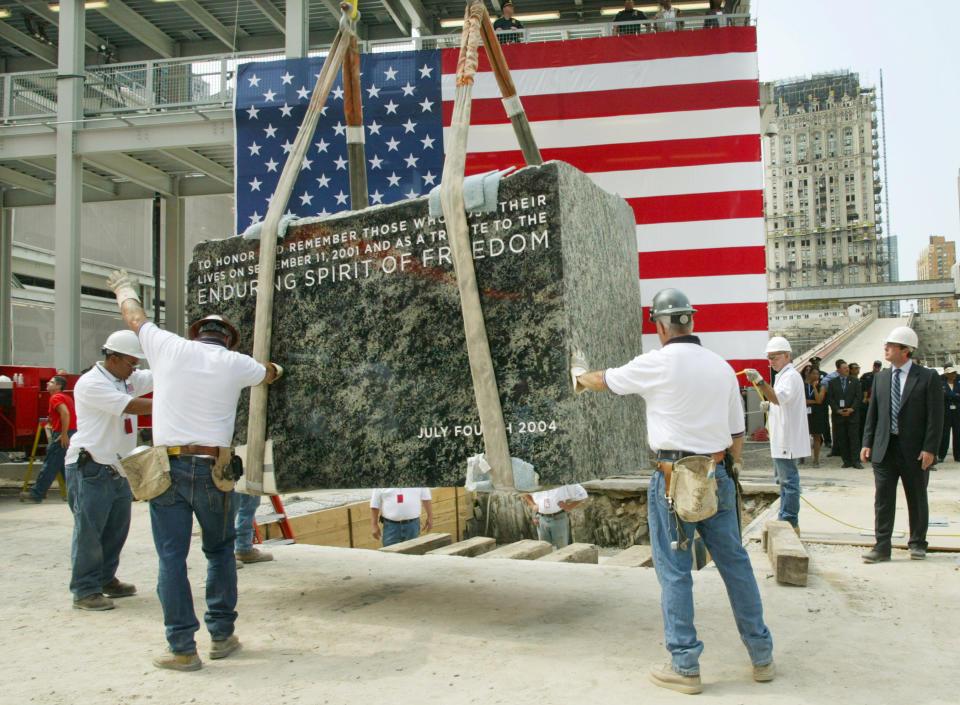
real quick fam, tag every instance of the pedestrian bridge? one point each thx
(881, 291)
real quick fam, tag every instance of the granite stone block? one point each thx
(368, 327)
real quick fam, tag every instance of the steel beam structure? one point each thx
(6, 282)
(272, 14)
(134, 170)
(69, 194)
(138, 27)
(208, 22)
(175, 266)
(197, 161)
(28, 44)
(26, 182)
(41, 9)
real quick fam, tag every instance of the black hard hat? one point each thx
(673, 303)
(218, 323)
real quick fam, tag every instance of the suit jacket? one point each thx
(850, 395)
(921, 413)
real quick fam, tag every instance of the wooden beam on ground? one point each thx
(574, 553)
(787, 555)
(419, 545)
(469, 548)
(526, 550)
(634, 557)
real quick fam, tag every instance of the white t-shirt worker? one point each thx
(399, 508)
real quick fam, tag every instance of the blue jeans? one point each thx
(100, 501)
(789, 478)
(554, 528)
(192, 492)
(52, 466)
(394, 532)
(722, 537)
(246, 510)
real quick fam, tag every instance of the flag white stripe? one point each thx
(700, 234)
(724, 289)
(618, 129)
(672, 181)
(730, 345)
(615, 75)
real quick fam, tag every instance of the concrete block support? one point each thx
(469, 548)
(419, 545)
(787, 555)
(526, 550)
(69, 190)
(574, 553)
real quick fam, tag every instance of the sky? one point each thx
(918, 48)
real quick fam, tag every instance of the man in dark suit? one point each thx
(904, 420)
(843, 396)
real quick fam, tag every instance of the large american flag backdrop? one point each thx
(670, 121)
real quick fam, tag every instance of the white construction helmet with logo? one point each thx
(124, 342)
(778, 344)
(903, 335)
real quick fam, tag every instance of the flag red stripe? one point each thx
(759, 364)
(603, 50)
(712, 318)
(638, 155)
(697, 206)
(714, 262)
(628, 101)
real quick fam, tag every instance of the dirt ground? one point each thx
(328, 625)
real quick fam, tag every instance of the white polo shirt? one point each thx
(691, 393)
(102, 428)
(197, 390)
(548, 501)
(789, 432)
(399, 503)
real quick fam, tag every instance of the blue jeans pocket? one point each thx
(726, 494)
(91, 470)
(166, 499)
(217, 501)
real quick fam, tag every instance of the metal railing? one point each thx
(209, 81)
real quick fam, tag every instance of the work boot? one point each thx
(666, 677)
(221, 648)
(918, 554)
(239, 565)
(117, 589)
(93, 603)
(178, 662)
(28, 497)
(255, 555)
(875, 556)
(762, 674)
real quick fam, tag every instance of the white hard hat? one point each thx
(778, 344)
(903, 335)
(124, 342)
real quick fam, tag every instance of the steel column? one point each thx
(297, 29)
(6, 275)
(174, 265)
(69, 193)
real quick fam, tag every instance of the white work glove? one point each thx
(765, 406)
(279, 371)
(121, 285)
(578, 366)
(737, 468)
(753, 375)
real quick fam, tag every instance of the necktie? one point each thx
(843, 384)
(895, 403)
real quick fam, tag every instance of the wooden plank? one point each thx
(634, 557)
(525, 550)
(470, 547)
(573, 553)
(419, 545)
(787, 555)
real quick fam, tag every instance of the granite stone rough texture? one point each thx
(367, 324)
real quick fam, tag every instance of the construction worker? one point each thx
(107, 405)
(693, 407)
(198, 385)
(789, 432)
(62, 424)
(553, 509)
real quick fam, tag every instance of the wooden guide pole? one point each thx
(353, 112)
(454, 213)
(263, 322)
(511, 101)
